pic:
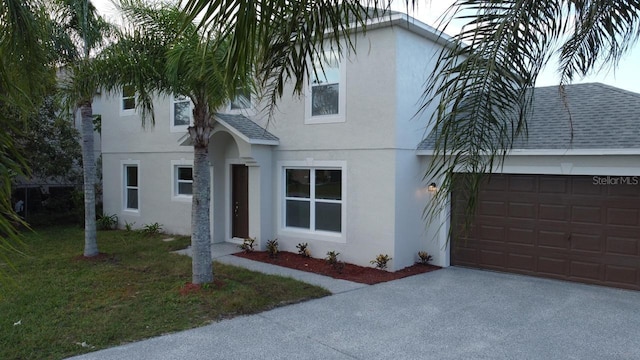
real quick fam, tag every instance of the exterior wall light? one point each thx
(432, 187)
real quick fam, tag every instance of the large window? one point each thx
(128, 103)
(313, 199)
(131, 189)
(183, 180)
(181, 113)
(325, 101)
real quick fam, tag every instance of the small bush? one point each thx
(303, 249)
(332, 257)
(128, 226)
(272, 248)
(107, 222)
(424, 257)
(152, 229)
(247, 245)
(381, 261)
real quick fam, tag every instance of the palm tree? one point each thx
(162, 55)
(482, 85)
(86, 31)
(25, 75)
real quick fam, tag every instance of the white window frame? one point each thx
(123, 111)
(172, 114)
(311, 233)
(123, 166)
(249, 111)
(175, 164)
(342, 97)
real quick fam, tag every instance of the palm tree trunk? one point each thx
(200, 227)
(89, 172)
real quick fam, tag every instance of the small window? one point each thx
(183, 180)
(128, 98)
(313, 199)
(181, 112)
(131, 189)
(242, 100)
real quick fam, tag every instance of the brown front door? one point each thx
(564, 227)
(239, 201)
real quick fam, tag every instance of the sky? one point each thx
(626, 75)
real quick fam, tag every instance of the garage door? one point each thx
(563, 227)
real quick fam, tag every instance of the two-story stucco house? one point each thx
(336, 168)
(341, 168)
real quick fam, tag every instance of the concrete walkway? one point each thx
(453, 313)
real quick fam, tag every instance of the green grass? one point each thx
(63, 301)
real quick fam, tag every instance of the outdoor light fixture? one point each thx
(432, 187)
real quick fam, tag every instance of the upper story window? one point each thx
(128, 102)
(326, 98)
(242, 100)
(181, 113)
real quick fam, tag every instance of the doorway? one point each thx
(239, 201)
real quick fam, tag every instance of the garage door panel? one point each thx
(521, 236)
(586, 243)
(587, 214)
(521, 262)
(553, 240)
(552, 266)
(564, 227)
(622, 245)
(585, 270)
(621, 274)
(626, 217)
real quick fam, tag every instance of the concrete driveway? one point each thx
(453, 313)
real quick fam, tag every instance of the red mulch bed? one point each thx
(351, 272)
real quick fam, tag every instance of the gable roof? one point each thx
(602, 117)
(242, 127)
(247, 129)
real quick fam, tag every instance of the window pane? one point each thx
(324, 100)
(128, 104)
(132, 198)
(241, 101)
(298, 214)
(328, 217)
(128, 91)
(329, 184)
(327, 70)
(132, 176)
(185, 188)
(181, 113)
(185, 173)
(298, 183)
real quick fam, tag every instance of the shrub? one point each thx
(303, 249)
(151, 229)
(128, 226)
(381, 261)
(424, 257)
(332, 257)
(272, 248)
(247, 245)
(107, 222)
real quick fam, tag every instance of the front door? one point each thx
(239, 201)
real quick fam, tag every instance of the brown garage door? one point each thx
(564, 227)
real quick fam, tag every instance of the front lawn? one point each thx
(62, 305)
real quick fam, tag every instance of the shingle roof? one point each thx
(247, 127)
(602, 117)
